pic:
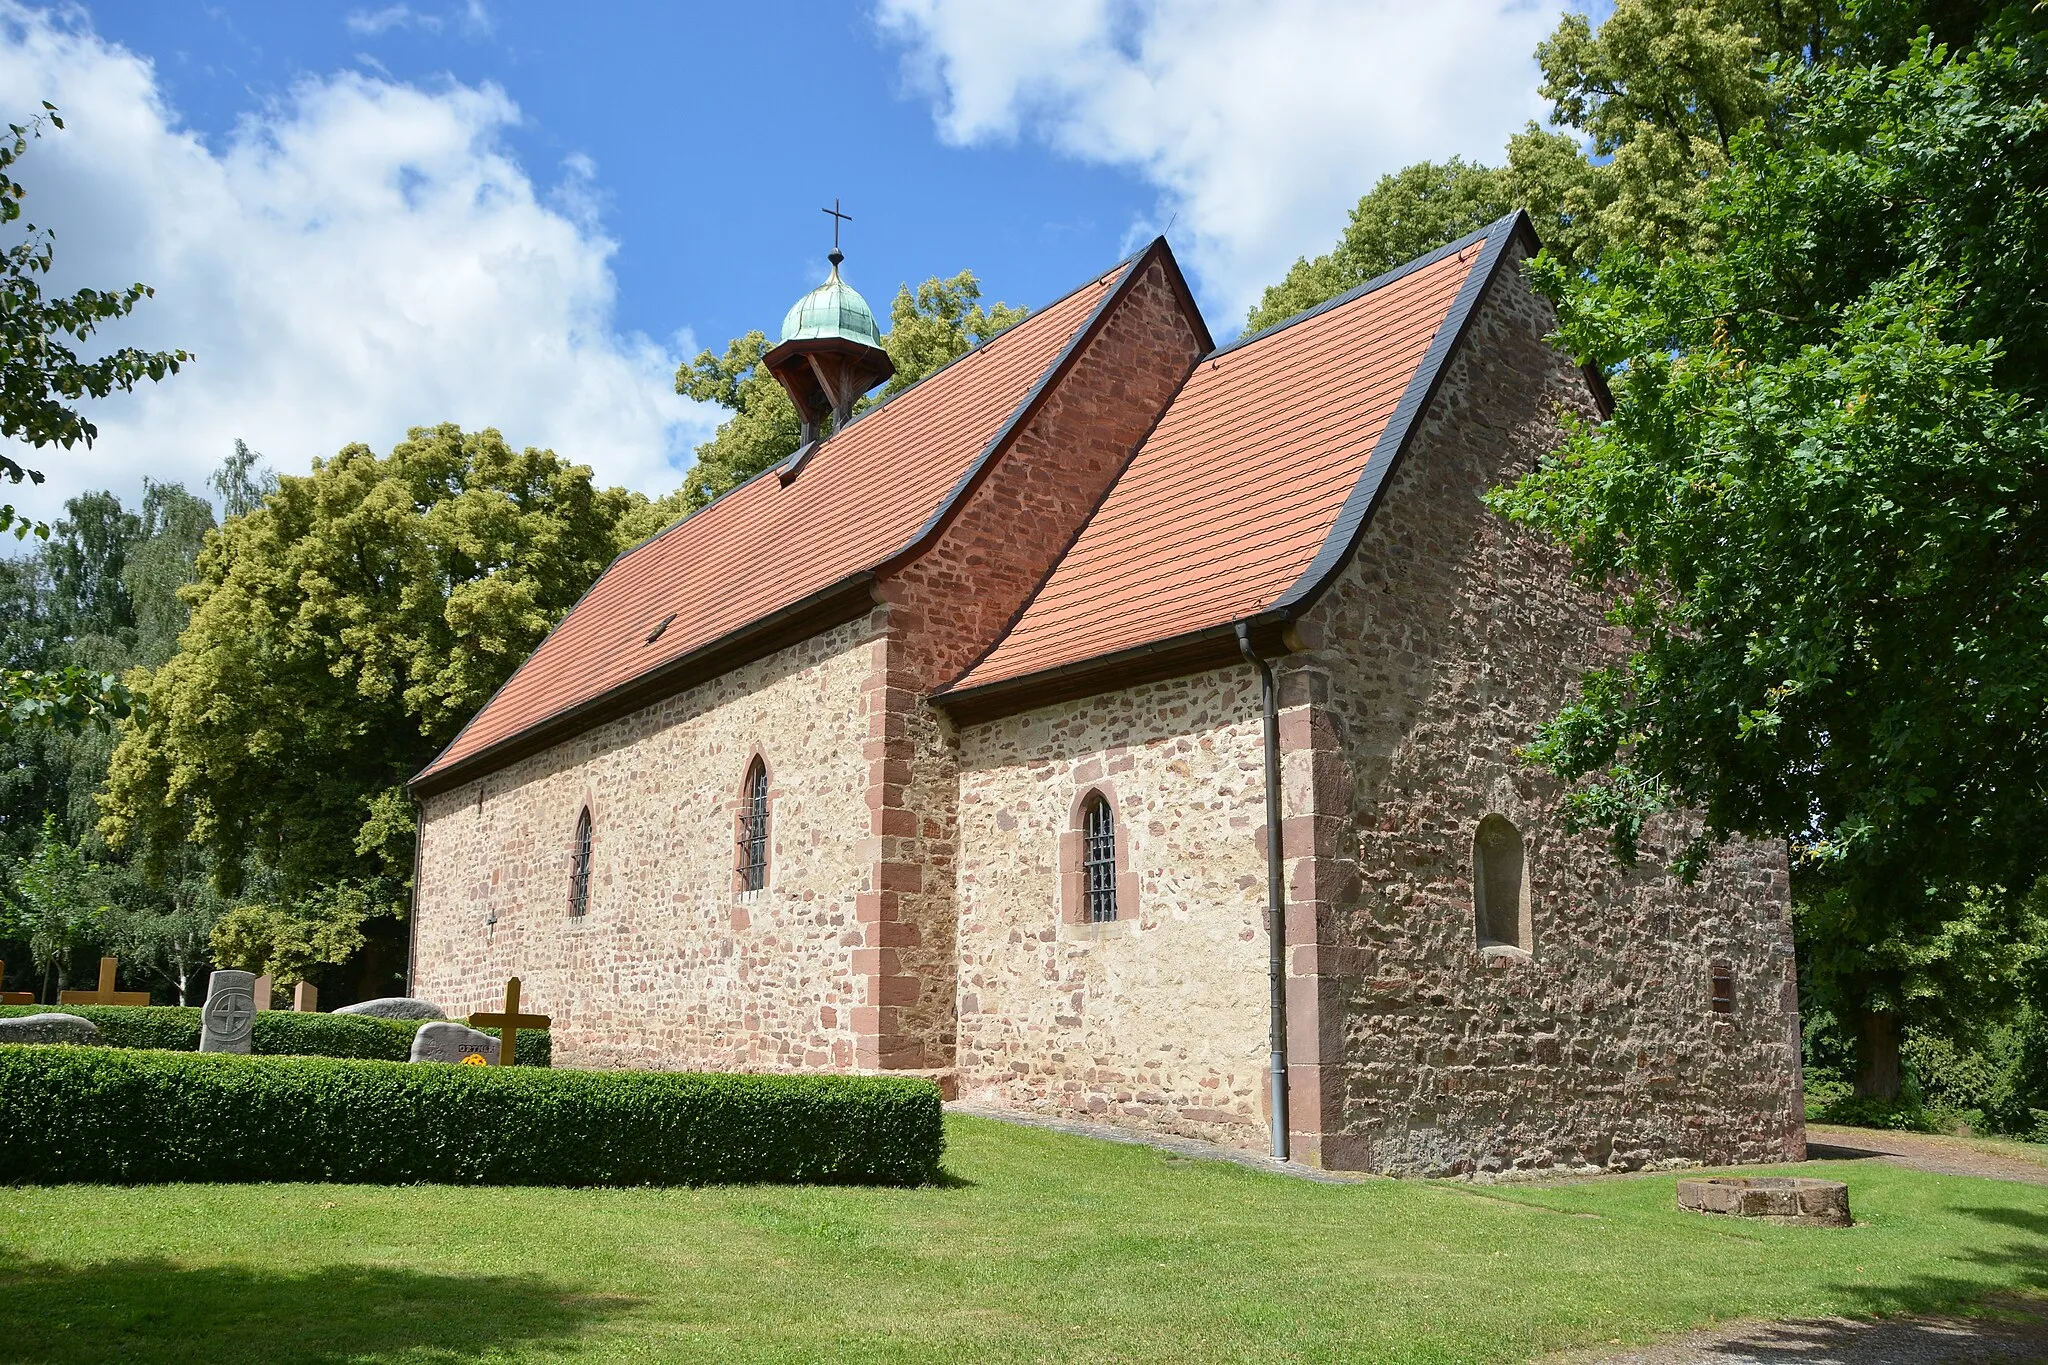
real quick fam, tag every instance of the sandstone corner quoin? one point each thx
(989, 644)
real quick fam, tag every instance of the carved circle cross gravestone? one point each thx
(1781, 1198)
(229, 1020)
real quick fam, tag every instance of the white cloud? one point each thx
(361, 257)
(1260, 123)
(472, 18)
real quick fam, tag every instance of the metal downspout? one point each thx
(412, 930)
(1276, 909)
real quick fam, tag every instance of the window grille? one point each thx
(579, 866)
(1098, 827)
(754, 829)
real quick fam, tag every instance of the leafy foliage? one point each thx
(51, 901)
(40, 374)
(1407, 214)
(288, 941)
(341, 632)
(940, 322)
(1823, 503)
(107, 1115)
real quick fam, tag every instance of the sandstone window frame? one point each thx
(754, 828)
(582, 845)
(1502, 920)
(1073, 859)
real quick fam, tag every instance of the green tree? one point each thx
(42, 379)
(1407, 214)
(292, 940)
(1822, 504)
(943, 320)
(340, 633)
(51, 904)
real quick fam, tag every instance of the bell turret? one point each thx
(831, 351)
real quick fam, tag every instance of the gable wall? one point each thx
(946, 607)
(1443, 643)
(671, 968)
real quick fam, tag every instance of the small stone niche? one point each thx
(1779, 1198)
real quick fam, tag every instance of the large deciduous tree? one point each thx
(1822, 501)
(940, 322)
(341, 632)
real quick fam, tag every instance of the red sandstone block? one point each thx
(899, 877)
(877, 962)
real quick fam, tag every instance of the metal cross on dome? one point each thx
(837, 218)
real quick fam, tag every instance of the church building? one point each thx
(1120, 726)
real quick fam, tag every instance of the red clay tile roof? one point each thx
(864, 495)
(1256, 481)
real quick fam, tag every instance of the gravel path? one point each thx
(1922, 1152)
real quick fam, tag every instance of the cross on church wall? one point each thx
(106, 994)
(509, 1022)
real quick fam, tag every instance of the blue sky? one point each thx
(716, 132)
(364, 217)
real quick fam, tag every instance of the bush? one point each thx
(175, 1028)
(128, 1116)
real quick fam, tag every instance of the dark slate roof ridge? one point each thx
(1392, 445)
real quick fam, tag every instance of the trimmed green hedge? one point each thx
(175, 1028)
(128, 1116)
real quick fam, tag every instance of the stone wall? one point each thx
(1159, 1019)
(1445, 641)
(671, 967)
(949, 605)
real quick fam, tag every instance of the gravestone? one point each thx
(395, 1007)
(48, 1028)
(106, 994)
(508, 1022)
(263, 990)
(229, 1020)
(305, 998)
(444, 1040)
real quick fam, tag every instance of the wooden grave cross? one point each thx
(509, 1023)
(106, 994)
(14, 997)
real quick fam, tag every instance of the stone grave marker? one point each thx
(48, 1028)
(509, 1022)
(444, 1040)
(14, 997)
(395, 1007)
(262, 990)
(106, 994)
(305, 998)
(228, 1022)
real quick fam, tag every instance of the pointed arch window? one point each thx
(579, 867)
(753, 831)
(1098, 859)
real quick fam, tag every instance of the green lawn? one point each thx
(1045, 1248)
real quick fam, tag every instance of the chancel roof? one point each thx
(1256, 481)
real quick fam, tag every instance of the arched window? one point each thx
(753, 831)
(1098, 858)
(579, 866)
(1500, 892)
